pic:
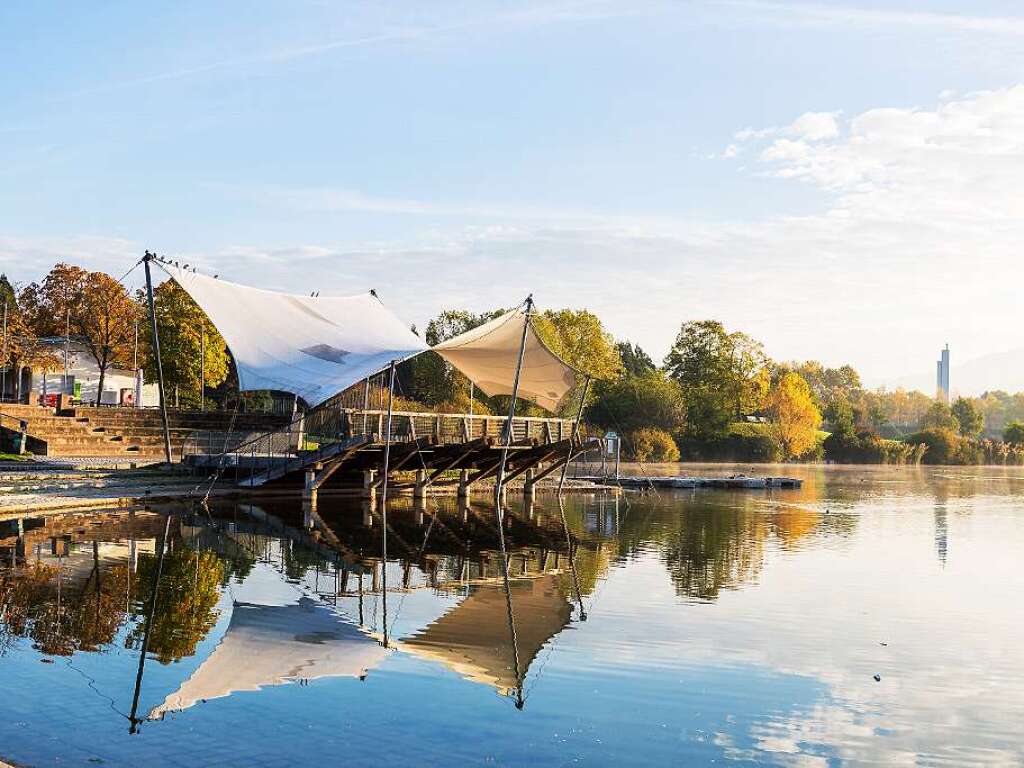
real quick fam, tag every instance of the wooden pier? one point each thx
(343, 448)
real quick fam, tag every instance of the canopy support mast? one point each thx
(156, 355)
(507, 441)
(575, 430)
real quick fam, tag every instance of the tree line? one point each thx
(112, 323)
(716, 395)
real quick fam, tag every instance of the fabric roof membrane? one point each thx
(311, 346)
(487, 355)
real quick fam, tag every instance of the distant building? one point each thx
(942, 377)
(83, 376)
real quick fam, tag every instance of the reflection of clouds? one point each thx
(952, 672)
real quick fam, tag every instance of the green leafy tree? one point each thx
(722, 375)
(943, 445)
(1014, 433)
(8, 295)
(967, 417)
(578, 337)
(634, 402)
(181, 324)
(635, 362)
(939, 416)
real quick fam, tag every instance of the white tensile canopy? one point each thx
(488, 356)
(270, 645)
(317, 346)
(311, 346)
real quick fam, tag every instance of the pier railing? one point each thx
(320, 431)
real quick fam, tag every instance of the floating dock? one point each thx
(733, 482)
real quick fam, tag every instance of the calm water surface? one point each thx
(871, 617)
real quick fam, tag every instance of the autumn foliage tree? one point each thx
(21, 345)
(106, 319)
(91, 305)
(795, 417)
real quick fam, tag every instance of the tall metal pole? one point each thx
(202, 368)
(384, 502)
(572, 437)
(471, 393)
(3, 362)
(67, 344)
(512, 410)
(156, 355)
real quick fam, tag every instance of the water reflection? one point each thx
(654, 628)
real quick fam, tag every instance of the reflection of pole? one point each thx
(572, 560)
(156, 355)
(508, 605)
(149, 622)
(575, 430)
(384, 502)
(511, 412)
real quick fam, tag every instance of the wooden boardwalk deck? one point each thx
(345, 446)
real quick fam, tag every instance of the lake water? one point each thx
(873, 616)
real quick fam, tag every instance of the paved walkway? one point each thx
(44, 488)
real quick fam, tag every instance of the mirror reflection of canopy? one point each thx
(488, 354)
(310, 346)
(268, 645)
(473, 637)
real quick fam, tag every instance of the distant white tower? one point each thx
(942, 377)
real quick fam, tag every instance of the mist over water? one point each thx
(871, 616)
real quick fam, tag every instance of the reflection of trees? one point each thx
(714, 548)
(60, 620)
(790, 524)
(186, 603)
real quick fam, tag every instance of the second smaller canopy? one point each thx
(487, 355)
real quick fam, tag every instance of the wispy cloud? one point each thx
(917, 243)
(516, 18)
(846, 15)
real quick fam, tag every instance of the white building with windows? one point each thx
(81, 381)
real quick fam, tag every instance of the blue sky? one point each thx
(838, 180)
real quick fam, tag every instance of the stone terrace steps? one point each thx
(124, 431)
